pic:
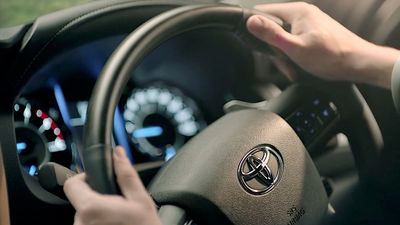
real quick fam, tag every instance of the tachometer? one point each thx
(39, 138)
(160, 119)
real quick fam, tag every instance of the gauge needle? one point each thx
(32, 170)
(21, 146)
(148, 132)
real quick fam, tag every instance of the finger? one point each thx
(272, 33)
(128, 180)
(286, 11)
(77, 190)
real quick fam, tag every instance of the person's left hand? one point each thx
(135, 206)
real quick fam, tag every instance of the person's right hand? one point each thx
(322, 46)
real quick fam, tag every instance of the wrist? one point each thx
(373, 64)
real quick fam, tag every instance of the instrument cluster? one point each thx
(156, 120)
(175, 92)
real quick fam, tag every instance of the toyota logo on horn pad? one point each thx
(260, 169)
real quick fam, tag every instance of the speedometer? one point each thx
(160, 119)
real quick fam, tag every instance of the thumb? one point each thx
(272, 33)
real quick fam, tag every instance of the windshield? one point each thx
(15, 12)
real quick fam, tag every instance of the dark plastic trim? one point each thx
(12, 35)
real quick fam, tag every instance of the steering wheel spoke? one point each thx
(312, 114)
(318, 111)
(173, 215)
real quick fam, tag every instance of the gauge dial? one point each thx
(39, 138)
(160, 119)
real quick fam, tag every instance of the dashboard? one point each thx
(176, 91)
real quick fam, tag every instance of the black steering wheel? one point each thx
(250, 166)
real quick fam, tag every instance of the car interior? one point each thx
(189, 94)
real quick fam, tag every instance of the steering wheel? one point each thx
(249, 167)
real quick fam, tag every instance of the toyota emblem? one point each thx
(260, 169)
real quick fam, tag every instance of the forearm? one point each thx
(373, 65)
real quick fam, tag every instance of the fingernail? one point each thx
(119, 152)
(258, 22)
(255, 24)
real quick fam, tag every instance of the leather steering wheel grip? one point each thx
(117, 71)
